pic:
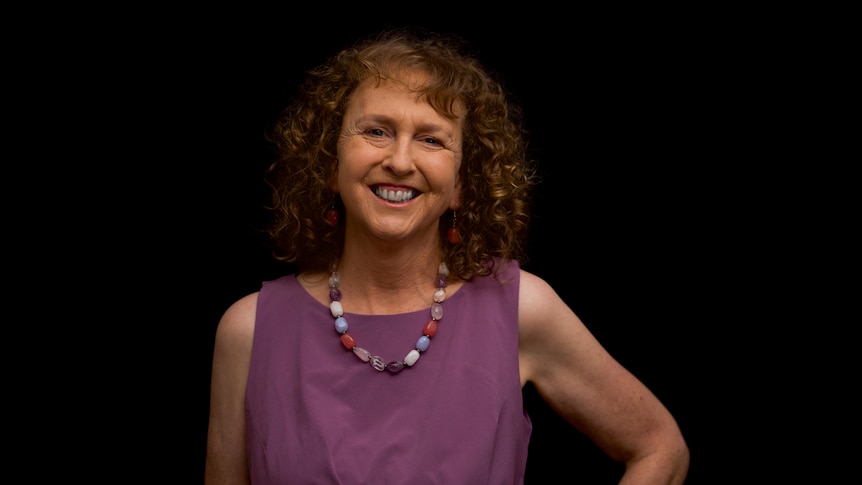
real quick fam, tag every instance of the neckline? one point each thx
(306, 294)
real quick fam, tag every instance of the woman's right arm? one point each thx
(226, 461)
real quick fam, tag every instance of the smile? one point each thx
(395, 195)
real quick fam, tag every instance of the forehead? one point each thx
(408, 84)
(374, 88)
(408, 78)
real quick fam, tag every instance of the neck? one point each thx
(392, 267)
(394, 283)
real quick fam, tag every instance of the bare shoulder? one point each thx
(549, 331)
(539, 304)
(237, 322)
(534, 287)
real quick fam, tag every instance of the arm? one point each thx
(226, 461)
(582, 382)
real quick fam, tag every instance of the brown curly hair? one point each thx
(497, 177)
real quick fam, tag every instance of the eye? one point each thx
(431, 141)
(375, 132)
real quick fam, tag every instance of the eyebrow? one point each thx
(422, 126)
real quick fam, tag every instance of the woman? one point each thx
(399, 350)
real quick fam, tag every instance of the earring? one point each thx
(332, 214)
(453, 234)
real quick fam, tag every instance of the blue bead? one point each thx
(423, 343)
(340, 324)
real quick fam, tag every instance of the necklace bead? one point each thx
(376, 362)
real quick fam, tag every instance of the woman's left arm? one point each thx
(582, 382)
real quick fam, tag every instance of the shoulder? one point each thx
(543, 317)
(535, 293)
(537, 302)
(242, 307)
(237, 322)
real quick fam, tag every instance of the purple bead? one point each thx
(335, 294)
(442, 281)
(423, 343)
(395, 367)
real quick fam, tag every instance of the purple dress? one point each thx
(317, 414)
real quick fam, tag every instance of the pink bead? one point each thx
(362, 353)
(436, 311)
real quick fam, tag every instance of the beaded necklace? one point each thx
(377, 363)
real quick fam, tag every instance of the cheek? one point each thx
(347, 174)
(356, 156)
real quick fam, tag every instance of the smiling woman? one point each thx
(398, 162)
(401, 348)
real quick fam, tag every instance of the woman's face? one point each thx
(398, 162)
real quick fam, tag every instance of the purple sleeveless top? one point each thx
(317, 414)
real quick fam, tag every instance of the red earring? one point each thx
(453, 234)
(332, 215)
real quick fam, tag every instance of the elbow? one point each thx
(681, 463)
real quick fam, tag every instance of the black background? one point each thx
(629, 114)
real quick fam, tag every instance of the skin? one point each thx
(390, 138)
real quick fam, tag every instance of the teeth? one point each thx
(394, 195)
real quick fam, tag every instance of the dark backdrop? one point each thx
(626, 120)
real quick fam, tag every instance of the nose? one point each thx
(399, 159)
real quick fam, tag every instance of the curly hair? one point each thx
(497, 177)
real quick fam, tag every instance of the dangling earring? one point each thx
(332, 213)
(453, 234)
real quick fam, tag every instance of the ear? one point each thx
(456, 195)
(333, 179)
